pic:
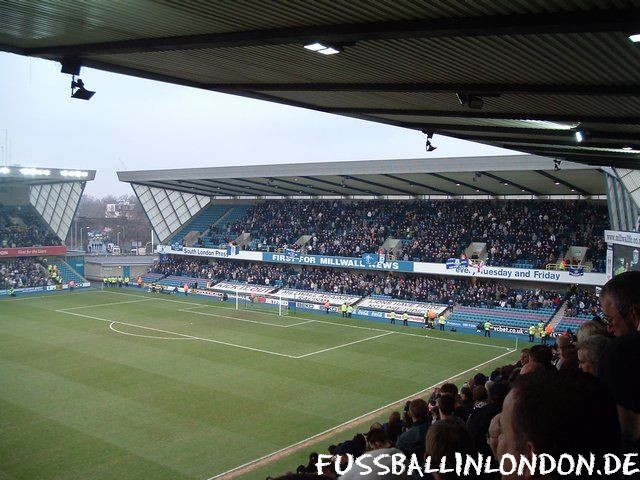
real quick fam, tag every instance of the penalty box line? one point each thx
(190, 310)
(210, 340)
(305, 443)
(373, 329)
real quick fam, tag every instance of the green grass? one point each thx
(79, 400)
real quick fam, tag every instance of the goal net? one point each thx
(260, 301)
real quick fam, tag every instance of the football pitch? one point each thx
(125, 384)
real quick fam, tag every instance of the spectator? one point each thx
(444, 440)
(557, 413)
(620, 300)
(446, 407)
(590, 351)
(412, 441)
(393, 427)
(380, 448)
(480, 418)
(568, 355)
(618, 369)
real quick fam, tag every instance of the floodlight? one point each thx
(579, 136)
(472, 101)
(324, 49)
(80, 93)
(635, 38)
(5, 170)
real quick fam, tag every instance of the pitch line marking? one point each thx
(373, 329)
(220, 342)
(345, 345)
(302, 443)
(111, 327)
(189, 310)
(107, 304)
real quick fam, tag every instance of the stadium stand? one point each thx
(522, 233)
(67, 273)
(477, 301)
(201, 221)
(581, 306)
(24, 272)
(23, 227)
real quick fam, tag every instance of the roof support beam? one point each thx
(337, 185)
(562, 182)
(558, 143)
(477, 88)
(413, 182)
(300, 186)
(243, 191)
(208, 188)
(458, 182)
(622, 20)
(379, 185)
(529, 133)
(504, 181)
(548, 117)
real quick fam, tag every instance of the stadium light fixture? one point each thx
(5, 170)
(627, 147)
(323, 49)
(78, 91)
(635, 38)
(556, 182)
(579, 136)
(556, 165)
(458, 184)
(430, 147)
(35, 171)
(469, 100)
(74, 173)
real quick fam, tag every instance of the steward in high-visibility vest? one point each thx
(343, 309)
(442, 322)
(487, 328)
(543, 337)
(532, 333)
(393, 317)
(12, 292)
(349, 311)
(405, 319)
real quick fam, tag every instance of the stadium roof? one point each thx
(463, 176)
(20, 175)
(536, 73)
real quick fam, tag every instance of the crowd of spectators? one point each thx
(22, 273)
(420, 288)
(22, 227)
(582, 302)
(578, 397)
(534, 232)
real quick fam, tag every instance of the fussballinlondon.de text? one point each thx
(543, 464)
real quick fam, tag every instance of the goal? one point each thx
(269, 302)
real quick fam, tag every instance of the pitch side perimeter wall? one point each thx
(501, 273)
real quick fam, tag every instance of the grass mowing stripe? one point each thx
(345, 345)
(431, 337)
(270, 399)
(179, 334)
(229, 474)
